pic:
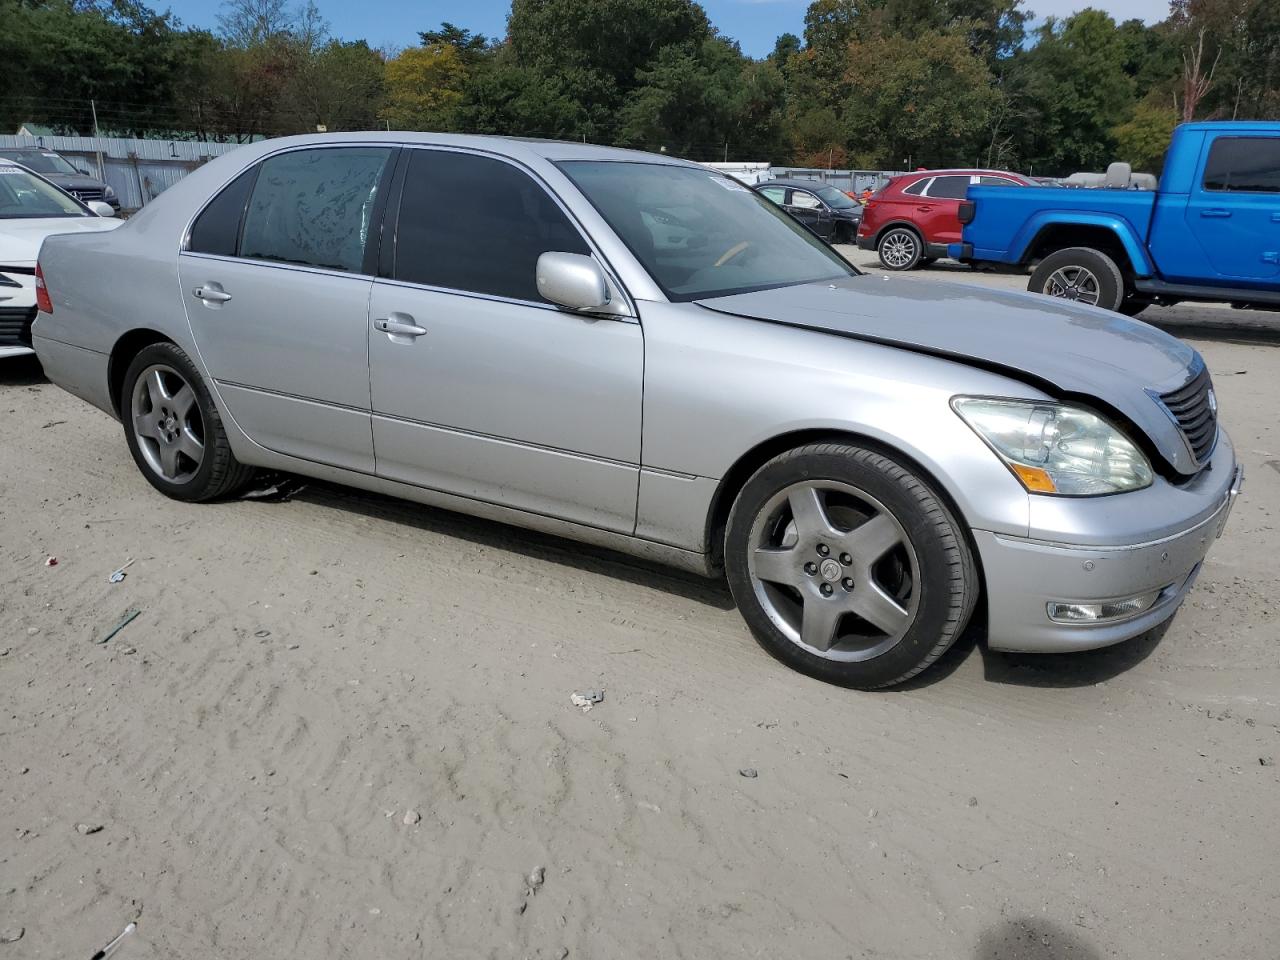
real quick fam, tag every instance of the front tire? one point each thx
(174, 430)
(1081, 275)
(847, 567)
(900, 249)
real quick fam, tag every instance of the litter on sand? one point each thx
(119, 573)
(128, 618)
(50, 561)
(111, 947)
(587, 699)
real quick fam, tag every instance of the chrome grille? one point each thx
(15, 326)
(85, 194)
(1195, 409)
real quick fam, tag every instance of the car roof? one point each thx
(958, 171)
(515, 147)
(796, 182)
(26, 150)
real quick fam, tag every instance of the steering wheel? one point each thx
(732, 252)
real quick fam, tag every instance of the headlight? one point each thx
(109, 191)
(1056, 448)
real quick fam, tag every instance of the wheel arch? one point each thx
(1107, 235)
(895, 224)
(736, 477)
(128, 346)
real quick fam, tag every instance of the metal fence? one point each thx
(138, 170)
(854, 181)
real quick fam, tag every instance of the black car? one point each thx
(827, 211)
(62, 172)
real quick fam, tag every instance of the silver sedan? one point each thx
(638, 352)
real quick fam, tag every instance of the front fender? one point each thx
(1129, 237)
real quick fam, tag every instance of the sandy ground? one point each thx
(304, 674)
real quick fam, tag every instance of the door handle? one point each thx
(1271, 256)
(925, 208)
(399, 325)
(1215, 212)
(211, 293)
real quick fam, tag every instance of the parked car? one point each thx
(32, 208)
(830, 213)
(911, 219)
(864, 461)
(1210, 231)
(57, 169)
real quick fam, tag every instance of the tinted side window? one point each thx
(1244, 165)
(949, 188)
(996, 182)
(314, 207)
(917, 188)
(218, 226)
(477, 224)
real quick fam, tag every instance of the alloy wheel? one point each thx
(1074, 283)
(898, 249)
(167, 423)
(834, 570)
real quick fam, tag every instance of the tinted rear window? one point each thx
(1244, 165)
(477, 224)
(217, 228)
(949, 188)
(314, 207)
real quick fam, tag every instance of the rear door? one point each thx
(480, 387)
(276, 281)
(938, 213)
(1233, 211)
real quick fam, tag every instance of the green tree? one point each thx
(1142, 141)
(424, 88)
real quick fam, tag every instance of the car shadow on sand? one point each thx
(516, 540)
(1032, 938)
(23, 371)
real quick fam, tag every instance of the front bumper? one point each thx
(1023, 576)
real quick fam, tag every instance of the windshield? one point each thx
(701, 234)
(25, 197)
(41, 161)
(836, 199)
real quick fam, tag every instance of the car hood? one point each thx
(20, 239)
(1063, 348)
(69, 180)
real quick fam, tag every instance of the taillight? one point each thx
(43, 303)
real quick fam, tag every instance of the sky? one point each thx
(755, 24)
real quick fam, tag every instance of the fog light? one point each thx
(1063, 612)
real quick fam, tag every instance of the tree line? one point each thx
(870, 84)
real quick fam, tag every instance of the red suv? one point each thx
(911, 219)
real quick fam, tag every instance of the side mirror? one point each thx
(572, 280)
(101, 209)
(85, 171)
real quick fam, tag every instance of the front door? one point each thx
(1234, 211)
(277, 289)
(811, 211)
(481, 388)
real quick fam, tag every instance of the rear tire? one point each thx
(174, 430)
(901, 583)
(900, 248)
(1081, 275)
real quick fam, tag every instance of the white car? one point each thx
(32, 208)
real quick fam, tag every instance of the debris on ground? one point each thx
(11, 934)
(748, 772)
(119, 573)
(110, 948)
(50, 561)
(411, 817)
(262, 633)
(127, 650)
(537, 876)
(587, 699)
(53, 423)
(87, 828)
(276, 488)
(973, 801)
(1266, 761)
(128, 618)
